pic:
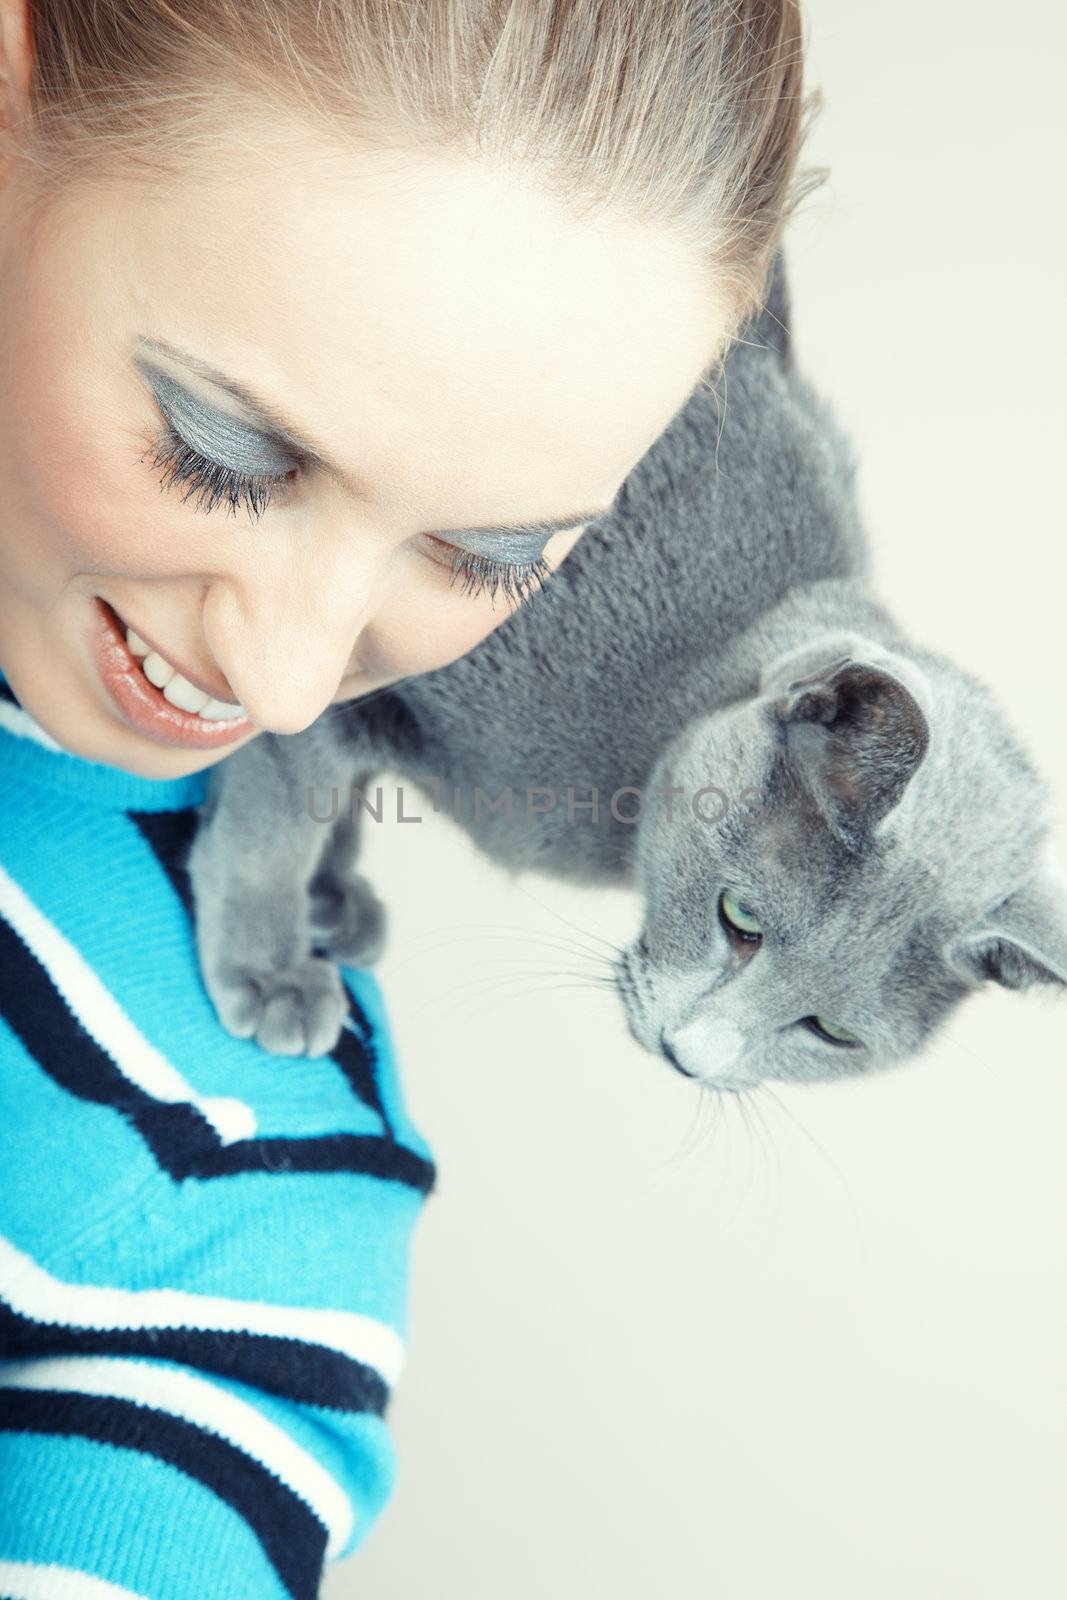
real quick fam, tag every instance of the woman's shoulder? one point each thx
(100, 984)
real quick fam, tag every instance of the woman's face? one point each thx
(442, 358)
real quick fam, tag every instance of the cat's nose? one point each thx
(709, 1048)
(672, 1058)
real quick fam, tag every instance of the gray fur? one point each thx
(716, 633)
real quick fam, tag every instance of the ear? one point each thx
(855, 734)
(1022, 942)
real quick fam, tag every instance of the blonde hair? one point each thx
(683, 113)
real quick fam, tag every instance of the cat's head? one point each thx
(844, 856)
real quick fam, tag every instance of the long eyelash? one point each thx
(211, 483)
(482, 574)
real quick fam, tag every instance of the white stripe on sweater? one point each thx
(28, 1580)
(33, 1292)
(195, 1399)
(104, 1019)
(19, 722)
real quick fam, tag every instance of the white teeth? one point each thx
(178, 690)
(219, 711)
(156, 670)
(185, 695)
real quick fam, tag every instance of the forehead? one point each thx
(445, 329)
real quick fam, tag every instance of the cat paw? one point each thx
(348, 922)
(292, 1011)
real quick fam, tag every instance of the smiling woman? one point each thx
(434, 401)
(463, 345)
(317, 317)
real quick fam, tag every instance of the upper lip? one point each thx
(224, 695)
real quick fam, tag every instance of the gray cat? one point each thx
(836, 835)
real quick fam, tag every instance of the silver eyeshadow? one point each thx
(513, 549)
(232, 444)
(222, 439)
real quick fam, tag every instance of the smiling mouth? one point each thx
(174, 686)
(152, 696)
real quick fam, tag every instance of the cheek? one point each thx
(84, 485)
(433, 626)
(428, 625)
(78, 498)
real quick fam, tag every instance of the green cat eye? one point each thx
(738, 918)
(830, 1030)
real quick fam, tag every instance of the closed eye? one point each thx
(830, 1031)
(522, 571)
(476, 573)
(210, 483)
(219, 460)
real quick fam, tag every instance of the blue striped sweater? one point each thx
(203, 1248)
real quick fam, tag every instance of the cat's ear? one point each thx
(1022, 942)
(855, 734)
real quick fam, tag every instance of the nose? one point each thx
(707, 1048)
(285, 644)
(668, 1052)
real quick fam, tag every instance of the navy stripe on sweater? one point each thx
(170, 835)
(178, 1134)
(239, 1339)
(295, 1369)
(292, 1537)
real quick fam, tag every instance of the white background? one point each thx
(818, 1348)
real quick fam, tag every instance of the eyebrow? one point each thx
(266, 416)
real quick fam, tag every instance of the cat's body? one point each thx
(666, 653)
(629, 641)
